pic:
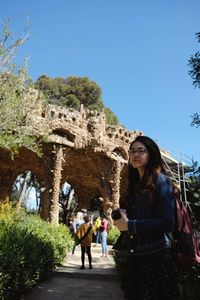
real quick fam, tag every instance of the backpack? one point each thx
(185, 246)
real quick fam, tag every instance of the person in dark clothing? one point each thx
(148, 218)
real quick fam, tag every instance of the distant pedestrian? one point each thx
(84, 233)
(97, 224)
(103, 235)
(74, 226)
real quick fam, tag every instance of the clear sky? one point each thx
(136, 51)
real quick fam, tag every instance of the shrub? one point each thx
(30, 248)
(113, 236)
(7, 212)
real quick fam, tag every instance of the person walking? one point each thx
(74, 227)
(97, 224)
(103, 236)
(84, 233)
(149, 216)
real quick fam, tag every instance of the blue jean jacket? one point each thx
(149, 222)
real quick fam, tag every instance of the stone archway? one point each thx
(81, 149)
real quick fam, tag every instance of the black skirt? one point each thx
(151, 277)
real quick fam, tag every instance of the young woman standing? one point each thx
(103, 236)
(151, 273)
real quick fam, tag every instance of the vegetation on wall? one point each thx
(74, 91)
(16, 106)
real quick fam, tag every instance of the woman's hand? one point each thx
(122, 223)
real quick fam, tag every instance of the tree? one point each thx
(194, 72)
(9, 47)
(15, 105)
(68, 201)
(22, 187)
(74, 91)
(110, 117)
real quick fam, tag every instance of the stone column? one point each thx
(115, 183)
(54, 202)
(46, 183)
(111, 190)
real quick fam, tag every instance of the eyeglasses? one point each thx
(140, 152)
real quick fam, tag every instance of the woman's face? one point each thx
(138, 155)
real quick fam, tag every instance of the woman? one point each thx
(151, 273)
(97, 230)
(103, 236)
(74, 226)
(84, 233)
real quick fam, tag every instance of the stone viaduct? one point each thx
(80, 148)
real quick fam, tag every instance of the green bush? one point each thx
(8, 213)
(113, 236)
(30, 248)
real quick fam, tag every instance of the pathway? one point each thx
(69, 282)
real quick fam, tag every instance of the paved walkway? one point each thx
(69, 282)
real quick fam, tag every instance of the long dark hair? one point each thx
(152, 169)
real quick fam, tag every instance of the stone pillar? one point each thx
(54, 202)
(106, 192)
(46, 184)
(115, 184)
(110, 190)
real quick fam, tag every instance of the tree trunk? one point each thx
(23, 192)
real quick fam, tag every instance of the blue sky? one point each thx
(136, 51)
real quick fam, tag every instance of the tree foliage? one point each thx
(74, 91)
(110, 117)
(69, 203)
(15, 85)
(194, 72)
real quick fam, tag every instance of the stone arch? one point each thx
(119, 151)
(11, 168)
(85, 170)
(63, 133)
(79, 150)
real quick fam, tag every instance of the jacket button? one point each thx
(131, 250)
(131, 236)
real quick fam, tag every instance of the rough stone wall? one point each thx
(93, 157)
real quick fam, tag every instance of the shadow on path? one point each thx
(69, 282)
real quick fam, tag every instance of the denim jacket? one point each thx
(149, 222)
